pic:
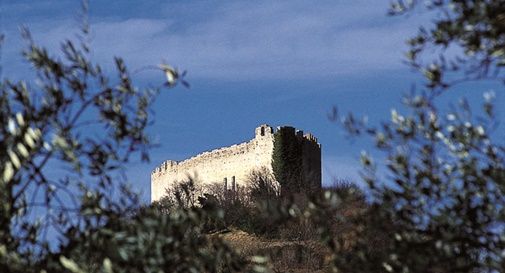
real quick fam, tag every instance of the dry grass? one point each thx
(285, 256)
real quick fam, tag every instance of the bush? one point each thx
(183, 194)
(73, 222)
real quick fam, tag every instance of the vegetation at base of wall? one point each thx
(439, 208)
(287, 161)
(259, 209)
(261, 185)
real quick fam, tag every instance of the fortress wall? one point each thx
(237, 161)
(216, 165)
(311, 161)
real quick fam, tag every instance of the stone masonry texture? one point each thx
(234, 163)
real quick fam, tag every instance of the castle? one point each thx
(231, 165)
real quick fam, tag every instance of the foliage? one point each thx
(232, 208)
(442, 193)
(437, 207)
(262, 185)
(149, 241)
(235, 208)
(46, 126)
(346, 190)
(61, 209)
(311, 216)
(445, 192)
(287, 160)
(182, 194)
(465, 42)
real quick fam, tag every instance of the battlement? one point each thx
(299, 133)
(165, 166)
(264, 130)
(231, 163)
(310, 137)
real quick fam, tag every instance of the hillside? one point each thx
(286, 256)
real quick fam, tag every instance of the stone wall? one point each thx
(311, 161)
(231, 164)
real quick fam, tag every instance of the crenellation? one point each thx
(230, 165)
(311, 138)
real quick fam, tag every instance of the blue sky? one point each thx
(249, 62)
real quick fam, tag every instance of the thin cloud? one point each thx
(251, 41)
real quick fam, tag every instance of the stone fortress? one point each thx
(231, 165)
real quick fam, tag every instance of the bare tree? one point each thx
(262, 184)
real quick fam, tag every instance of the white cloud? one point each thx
(251, 40)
